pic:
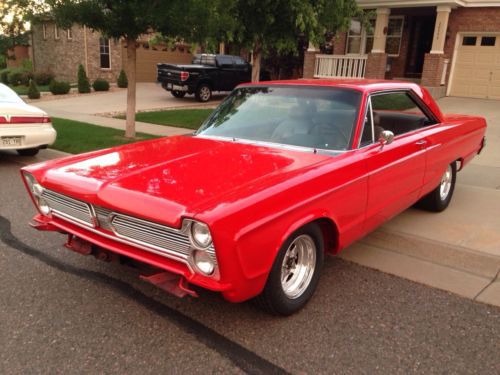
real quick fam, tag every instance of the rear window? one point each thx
(204, 60)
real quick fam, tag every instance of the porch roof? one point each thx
(426, 3)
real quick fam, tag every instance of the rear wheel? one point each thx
(295, 272)
(438, 199)
(203, 93)
(28, 151)
(178, 94)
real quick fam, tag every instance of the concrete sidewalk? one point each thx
(96, 108)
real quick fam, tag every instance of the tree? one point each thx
(262, 25)
(117, 19)
(83, 80)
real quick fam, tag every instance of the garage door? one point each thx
(148, 57)
(477, 67)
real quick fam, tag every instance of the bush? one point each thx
(122, 80)
(19, 76)
(43, 78)
(33, 92)
(100, 85)
(4, 76)
(59, 87)
(83, 81)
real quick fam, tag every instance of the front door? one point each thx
(396, 170)
(421, 33)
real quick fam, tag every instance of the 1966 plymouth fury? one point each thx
(279, 175)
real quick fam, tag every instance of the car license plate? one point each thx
(11, 141)
(169, 86)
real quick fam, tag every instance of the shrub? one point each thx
(33, 92)
(26, 77)
(43, 78)
(100, 85)
(27, 65)
(83, 81)
(19, 76)
(59, 87)
(4, 76)
(122, 79)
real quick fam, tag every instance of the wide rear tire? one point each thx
(295, 272)
(203, 93)
(438, 199)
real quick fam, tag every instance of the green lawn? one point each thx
(181, 118)
(23, 90)
(76, 137)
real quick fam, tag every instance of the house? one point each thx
(450, 46)
(60, 51)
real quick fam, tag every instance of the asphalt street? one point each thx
(61, 312)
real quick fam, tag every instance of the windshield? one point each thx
(8, 96)
(312, 117)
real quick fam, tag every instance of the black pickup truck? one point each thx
(206, 74)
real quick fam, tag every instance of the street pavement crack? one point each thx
(240, 356)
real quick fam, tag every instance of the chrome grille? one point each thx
(69, 208)
(150, 234)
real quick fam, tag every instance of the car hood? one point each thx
(168, 178)
(19, 109)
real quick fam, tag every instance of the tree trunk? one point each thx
(257, 55)
(131, 96)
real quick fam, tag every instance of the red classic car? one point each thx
(279, 175)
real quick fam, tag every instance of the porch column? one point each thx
(222, 48)
(443, 13)
(310, 61)
(380, 34)
(377, 58)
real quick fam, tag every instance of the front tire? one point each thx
(438, 199)
(203, 93)
(28, 151)
(295, 272)
(178, 94)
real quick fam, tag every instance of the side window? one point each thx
(225, 61)
(397, 112)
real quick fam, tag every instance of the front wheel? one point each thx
(28, 151)
(178, 94)
(295, 272)
(438, 199)
(203, 93)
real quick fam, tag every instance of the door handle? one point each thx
(422, 142)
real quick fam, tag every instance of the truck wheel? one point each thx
(203, 93)
(28, 151)
(438, 199)
(295, 272)
(178, 94)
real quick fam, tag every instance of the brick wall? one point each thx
(309, 64)
(375, 66)
(339, 43)
(63, 55)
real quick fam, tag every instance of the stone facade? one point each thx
(61, 55)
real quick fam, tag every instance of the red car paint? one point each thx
(253, 197)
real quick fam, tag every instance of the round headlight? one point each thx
(204, 262)
(37, 189)
(200, 235)
(43, 206)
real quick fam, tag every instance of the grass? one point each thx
(76, 137)
(23, 90)
(181, 118)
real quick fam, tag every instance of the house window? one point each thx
(488, 41)
(44, 31)
(360, 39)
(104, 53)
(69, 33)
(56, 32)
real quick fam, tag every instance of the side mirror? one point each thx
(386, 137)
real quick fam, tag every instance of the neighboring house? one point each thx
(60, 51)
(450, 46)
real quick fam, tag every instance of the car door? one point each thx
(227, 80)
(396, 170)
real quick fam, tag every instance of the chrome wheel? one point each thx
(446, 181)
(204, 93)
(298, 265)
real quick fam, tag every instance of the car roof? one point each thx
(365, 85)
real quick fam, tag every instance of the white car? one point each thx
(23, 127)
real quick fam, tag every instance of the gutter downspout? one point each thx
(86, 49)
